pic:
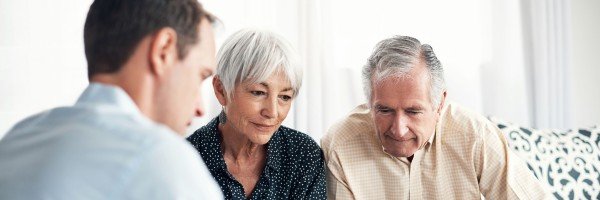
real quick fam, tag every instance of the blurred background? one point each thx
(530, 62)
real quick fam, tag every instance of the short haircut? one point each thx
(113, 28)
(254, 55)
(396, 56)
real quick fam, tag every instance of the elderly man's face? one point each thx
(403, 113)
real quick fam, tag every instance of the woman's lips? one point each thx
(263, 127)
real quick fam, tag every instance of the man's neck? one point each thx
(134, 87)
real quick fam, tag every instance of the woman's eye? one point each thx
(285, 97)
(257, 93)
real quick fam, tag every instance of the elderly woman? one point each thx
(246, 149)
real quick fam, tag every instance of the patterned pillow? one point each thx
(568, 161)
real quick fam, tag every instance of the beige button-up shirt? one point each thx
(465, 158)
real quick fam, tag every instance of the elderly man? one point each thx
(407, 142)
(123, 139)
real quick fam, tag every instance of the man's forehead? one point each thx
(400, 103)
(408, 92)
(205, 30)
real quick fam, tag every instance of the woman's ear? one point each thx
(220, 92)
(163, 50)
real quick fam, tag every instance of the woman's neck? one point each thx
(237, 145)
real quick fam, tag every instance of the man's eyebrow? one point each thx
(415, 107)
(379, 106)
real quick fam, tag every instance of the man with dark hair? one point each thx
(123, 138)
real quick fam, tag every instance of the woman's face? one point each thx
(256, 110)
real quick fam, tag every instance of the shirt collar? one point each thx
(429, 142)
(274, 151)
(436, 131)
(98, 94)
(210, 144)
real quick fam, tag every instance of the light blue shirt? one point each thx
(100, 148)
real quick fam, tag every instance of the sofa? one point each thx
(567, 161)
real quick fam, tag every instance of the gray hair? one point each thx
(254, 55)
(395, 57)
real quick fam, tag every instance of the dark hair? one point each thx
(114, 28)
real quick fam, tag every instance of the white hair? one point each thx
(254, 55)
(395, 57)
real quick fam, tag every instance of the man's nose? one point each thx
(400, 126)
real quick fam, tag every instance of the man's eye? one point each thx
(384, 111)
(258, 93)
(204, 75)
(412, 112)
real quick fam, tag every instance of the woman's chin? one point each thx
(261, 137)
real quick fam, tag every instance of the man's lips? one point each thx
(400, 139)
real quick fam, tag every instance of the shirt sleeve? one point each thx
(503, 175)
(337, 187)
(171, 170)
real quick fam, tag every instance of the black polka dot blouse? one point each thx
(294, 168)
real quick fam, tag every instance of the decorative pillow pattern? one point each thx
(568, 161)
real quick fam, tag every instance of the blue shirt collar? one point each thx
(98, 94)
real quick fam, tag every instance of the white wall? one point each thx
(503, 79)
(585, 73)
(42, 62)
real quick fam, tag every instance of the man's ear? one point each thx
(163, 50)
(442, 103)
(219, 90)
